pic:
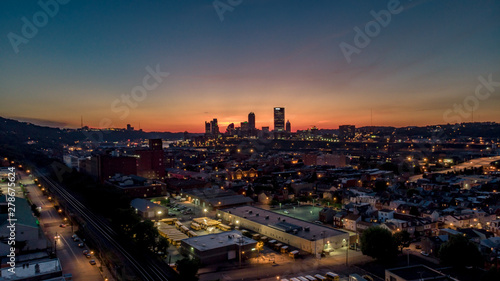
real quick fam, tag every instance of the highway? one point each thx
(474, 163)
(147, 268)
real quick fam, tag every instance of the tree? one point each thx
(491, 275)
(145, 234)
(125, 219)
(402, 239)
(459, 252)
(165, 201)
(188, 269)
(379, 243)
(162, 246)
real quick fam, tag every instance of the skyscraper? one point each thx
(279, 119)
(215, 127)
(251, 121)
(207, 128)
(288, 126)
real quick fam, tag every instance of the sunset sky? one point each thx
(264, 53)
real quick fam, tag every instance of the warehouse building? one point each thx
(416, 273)
(219, 247)
(306, 236)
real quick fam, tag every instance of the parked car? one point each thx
(286, 212)
(88, 256)
(424, 253)
(81, 245)
(92, 262)
(85, 252)
(62, 225)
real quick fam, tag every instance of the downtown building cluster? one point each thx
(248, 129)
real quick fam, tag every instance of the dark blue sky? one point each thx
(262, 54)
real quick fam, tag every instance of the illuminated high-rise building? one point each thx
(251, 121)
(288, 128)
(215, 127)
(245, 126)
(208, 129)
(279, 119)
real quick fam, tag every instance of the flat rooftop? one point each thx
(284, 223)
(418, 272)
(218, 240)
(46, 266)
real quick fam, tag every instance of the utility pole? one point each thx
(55, 244)
(347, 254)
(240, 242)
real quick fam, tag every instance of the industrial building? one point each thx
(415, 273)
(306, 236)
(219, 247)
(215, 198)
(147, 209)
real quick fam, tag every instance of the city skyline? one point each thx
(199, 140)
(422, 63)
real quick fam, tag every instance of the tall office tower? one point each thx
(207, 128)
(288, 126)
(251, 121)
(215, 127)
(279, 119)
(245, 126)
(347, 131)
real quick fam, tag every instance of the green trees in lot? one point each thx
(402, 239)
(145, 234)
(459, 252)
(162, 246)
(188, 269)
(379, 244)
